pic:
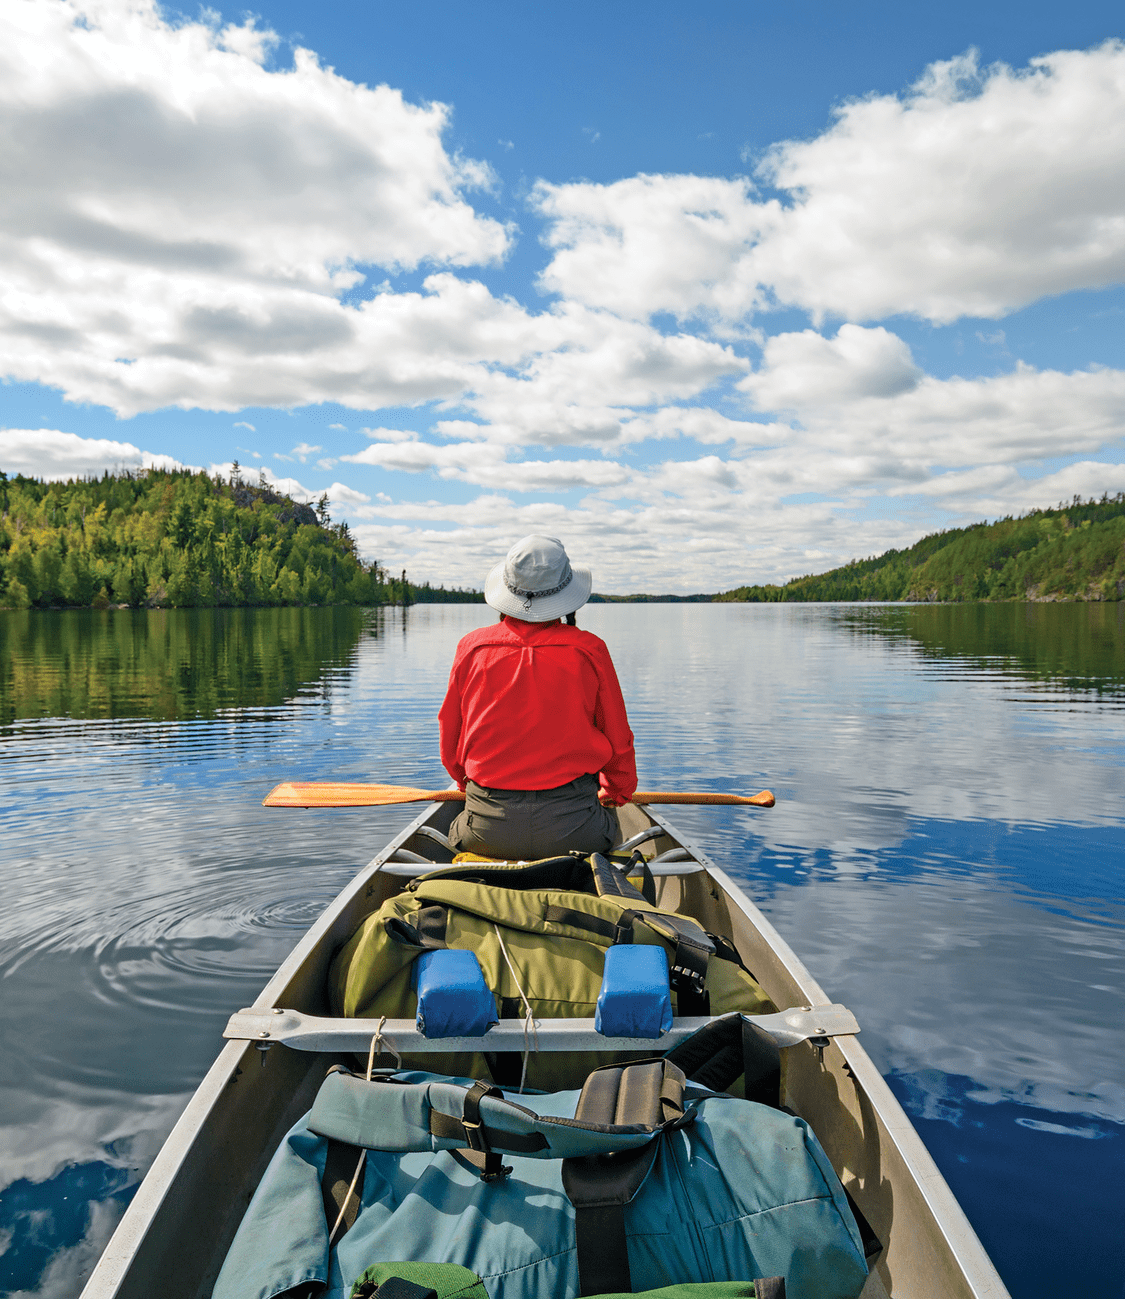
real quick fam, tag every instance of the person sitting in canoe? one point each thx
(533, 727)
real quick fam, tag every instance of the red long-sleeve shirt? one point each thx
(534, 706)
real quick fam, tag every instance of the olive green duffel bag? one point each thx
(540, 931)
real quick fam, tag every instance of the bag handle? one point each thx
(600, 1186)
(389, 1113)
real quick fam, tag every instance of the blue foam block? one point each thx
(453, 998)
(634, 1000)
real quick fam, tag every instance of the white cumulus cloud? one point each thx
(807, 370)
(170, 206)
(976, 192)
(53, 455)
(342, 494)
(487, 465)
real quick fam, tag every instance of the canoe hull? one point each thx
(201, 1182)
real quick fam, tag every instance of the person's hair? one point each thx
(571, 619)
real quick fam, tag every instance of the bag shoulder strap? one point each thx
(570, 874)
(727, 1047)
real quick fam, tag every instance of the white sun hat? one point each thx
(537, 582)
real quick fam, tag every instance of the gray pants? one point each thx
(525, 825)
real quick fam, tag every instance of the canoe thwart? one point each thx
(304, 1032)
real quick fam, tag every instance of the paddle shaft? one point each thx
(324, 794)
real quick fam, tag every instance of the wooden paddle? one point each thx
(323, 794)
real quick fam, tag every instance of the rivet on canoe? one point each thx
(263, 1033)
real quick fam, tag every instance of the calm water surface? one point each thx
(946, 855)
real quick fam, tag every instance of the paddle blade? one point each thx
(764, 799)
(325, 794)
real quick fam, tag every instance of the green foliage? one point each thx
(173, 539)
(1076, 552)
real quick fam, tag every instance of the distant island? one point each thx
(180, 539)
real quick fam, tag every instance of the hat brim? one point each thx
(543, 609)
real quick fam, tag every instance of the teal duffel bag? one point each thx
(640, 1181)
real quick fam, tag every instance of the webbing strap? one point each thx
(476, 1134)
(506, 1067)
(623, 932)
(600, 1187)
(512, 1143)
(339, 1170)
(687, 976)
(693, 947)
(580, 920)
(648, 881)
(599, 1230)
(725, 950)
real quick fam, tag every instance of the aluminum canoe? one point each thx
(175, 1233)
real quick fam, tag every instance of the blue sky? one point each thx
(716, 294)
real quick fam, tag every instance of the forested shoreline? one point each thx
(1074, 552)
(181, 539)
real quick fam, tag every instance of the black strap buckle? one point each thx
(689, 967)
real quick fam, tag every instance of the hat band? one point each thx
(528, 596)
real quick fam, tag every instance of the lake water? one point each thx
(946, 855)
